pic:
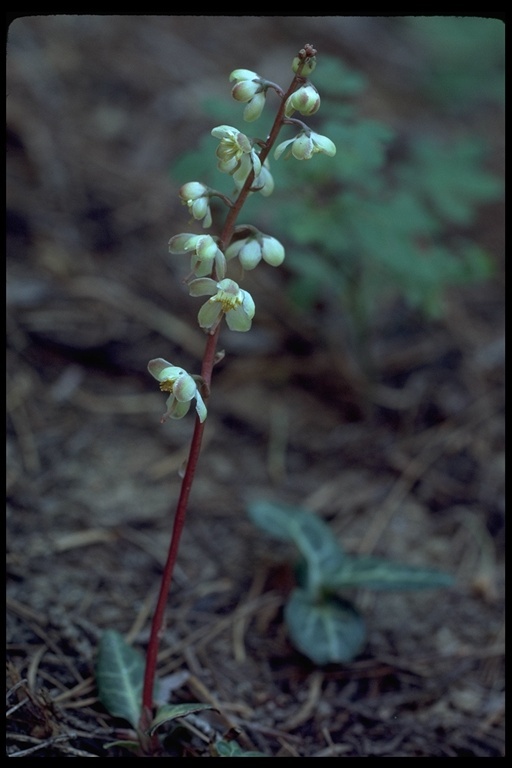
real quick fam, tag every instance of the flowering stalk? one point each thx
(237, 156)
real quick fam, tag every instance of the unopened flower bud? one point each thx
(305, 100)
(309, 65)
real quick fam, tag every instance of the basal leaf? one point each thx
(312, 537)
(329, 631)
(169, 712)
(119, 676)
(275, 519)
(378, 574)
(134, 746)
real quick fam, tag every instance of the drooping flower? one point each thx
(250, 250)
(234, 149)
(182, 389)
(250, 88)
(205, 253)
(196, 196)
(305, 100)
(305, 145)
(227, 298)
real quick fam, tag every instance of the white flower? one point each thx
(235, 151)
(250, 88)
(305, 145)
(227, 298)
(205, 253)
(195, 196)
(250, 250)
(181, 386)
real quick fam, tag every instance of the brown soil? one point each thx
(410, 468)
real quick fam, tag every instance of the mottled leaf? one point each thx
(326, 631)
(375, 573)
(119, 676)
(169, 712)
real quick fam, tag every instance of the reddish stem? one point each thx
(195, 445)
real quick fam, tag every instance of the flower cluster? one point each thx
(242, 158)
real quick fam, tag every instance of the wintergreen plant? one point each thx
(322, 622)
(123, 689)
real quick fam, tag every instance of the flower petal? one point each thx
(250, 254)
(161, 369)
(180, 243)
(184, 388)
(303, 147)
(324, 144)
(176, 409)
(224, 131)
(245, 90)
(192, 190)
(201, 408)
(209, 314)
(272, 251)
(238, 320)
(281, 148)
(203, 286)
(243, 74)
(255, 107)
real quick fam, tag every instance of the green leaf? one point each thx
(378, 574)
(329, 631)
(312, 537)
(232, 749)
(169, 712)
(134, 746)
(119, 676)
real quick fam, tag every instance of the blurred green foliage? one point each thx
(323, 624)
(390, 215)
(464, 59)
